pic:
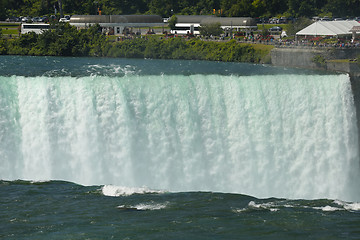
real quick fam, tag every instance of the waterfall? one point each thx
(292, 136)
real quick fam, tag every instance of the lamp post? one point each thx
(60, 8)
(96, 3)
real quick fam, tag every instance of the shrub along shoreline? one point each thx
(65, 40)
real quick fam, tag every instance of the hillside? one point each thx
(166, 8)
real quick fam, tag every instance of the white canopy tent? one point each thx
(328, 28)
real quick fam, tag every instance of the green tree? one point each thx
(213, 29)
(241, 8)
(306, 8)
(160, 7)
(276, 7)
(343, 7)
(301, 23)
(259, 7)
(3, 44)
(265, 32)
(172, 22)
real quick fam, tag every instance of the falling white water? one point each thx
(292, 136)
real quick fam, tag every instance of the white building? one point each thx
(329, 28)
(116, 23)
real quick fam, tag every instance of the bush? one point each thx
(3, 47)
(61, 40)
(172, 22)
(319, 60)
(211, 29)
(300, 23)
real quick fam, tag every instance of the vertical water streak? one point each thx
(10, 136)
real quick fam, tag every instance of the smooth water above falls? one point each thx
(284, 135)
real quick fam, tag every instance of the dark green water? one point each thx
(148, 149)
(62, 210)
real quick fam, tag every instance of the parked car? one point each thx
(275, 29)
(274, 21)
(64, 20)
(35, 19)
(325, 19)
(283, 20)
(12, 19)
(264, 20)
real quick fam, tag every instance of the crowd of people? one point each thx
(313, 42)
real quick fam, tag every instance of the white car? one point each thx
(64, 20)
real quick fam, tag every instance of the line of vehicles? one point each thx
(39, 24)
(283, 20)
(274, 20)
(43, 19)
(334, 19)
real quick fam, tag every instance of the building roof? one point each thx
(329, 28)
(231, 21)
(194, 19)
(128, 19)
(224, 21)
(355, 29)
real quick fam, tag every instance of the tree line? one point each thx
(167, 8)
(65, 40)
(60, 40)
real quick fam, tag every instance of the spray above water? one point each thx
(292, 136)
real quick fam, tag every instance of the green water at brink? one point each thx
(175, 149)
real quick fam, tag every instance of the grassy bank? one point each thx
(9, 28)
(11, 25)
(10, 31)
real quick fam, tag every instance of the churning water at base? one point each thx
(267, 135)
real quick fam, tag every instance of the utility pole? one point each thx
(60, 8)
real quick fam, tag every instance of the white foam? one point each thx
(145, 206)
(328, 209)
(112, 69)
(151, 206)
(275, 206)
(255, 205)
(271, 206)
(116, 191)
(355, 206)
(39, 181)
